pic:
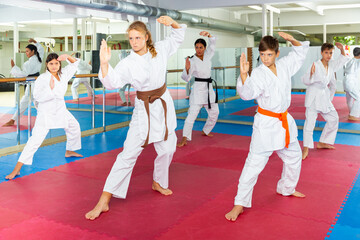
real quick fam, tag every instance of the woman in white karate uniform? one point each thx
(31, 68)
(352, 86)
(145, 70)
(49, 90)
(273, 129)
(83, 68)
(202, 94)
(320, 81)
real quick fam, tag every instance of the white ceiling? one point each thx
(292, 14)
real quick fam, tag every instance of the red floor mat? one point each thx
(4, 118)
(297, 108)
(203, 176)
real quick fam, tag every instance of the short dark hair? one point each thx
(51, 57)
(269, 43)
(356, 52)
(200, 40)
(77, 55)
(326, 46)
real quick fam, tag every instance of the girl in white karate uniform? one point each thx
(320, 80)
(83, 68)
(153, 119)
(202, 95)
(273, 129)
(352, 86)
(49, 90)
(31, 68)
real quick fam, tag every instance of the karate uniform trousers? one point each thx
(39, 132)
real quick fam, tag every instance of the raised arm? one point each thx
(172, 43)
(112, 78)
(210, 50)
(187, 72)
(248, 87)
(69, 71)
(307, 78)
(332, 86)
(296, 58)
(341, 60)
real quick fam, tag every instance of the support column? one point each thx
(264, 20)
(83, 34)
(16, 40)
(271, 23)
(93, 38)
(17, 93)
(66, 43)
(75, 35)
(324, 33)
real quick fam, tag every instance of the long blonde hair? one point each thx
(141, 27)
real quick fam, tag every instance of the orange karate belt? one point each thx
(283, 118)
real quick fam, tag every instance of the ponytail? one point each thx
(141, 27)
(32, 47)
(38, 56)
(150, 44)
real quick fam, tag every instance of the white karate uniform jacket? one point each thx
(146, 73)
(201, 69)
(31, 66)
(321, 86)
(52, 111)
(273, 93)
(83, 67)
(351, 80)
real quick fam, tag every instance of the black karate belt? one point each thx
(209, 81)
(32, 75)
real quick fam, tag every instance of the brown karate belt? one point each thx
(149, 97)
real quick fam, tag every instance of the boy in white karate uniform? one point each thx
(202, 95)
(320, 81)
(352, 85)
(145, 70)
(273, 129)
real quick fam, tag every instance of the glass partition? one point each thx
(113, 108)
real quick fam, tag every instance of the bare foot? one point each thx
(305, 152)
(157, 187)
(101, 206)
(234, 213)
(324, 145)
(298, 194)
(72, 154)
(183, 142)
(352, 118)
(208, 135)
(12, 175)
(11, 122)
(295, 194)
(15, 172)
